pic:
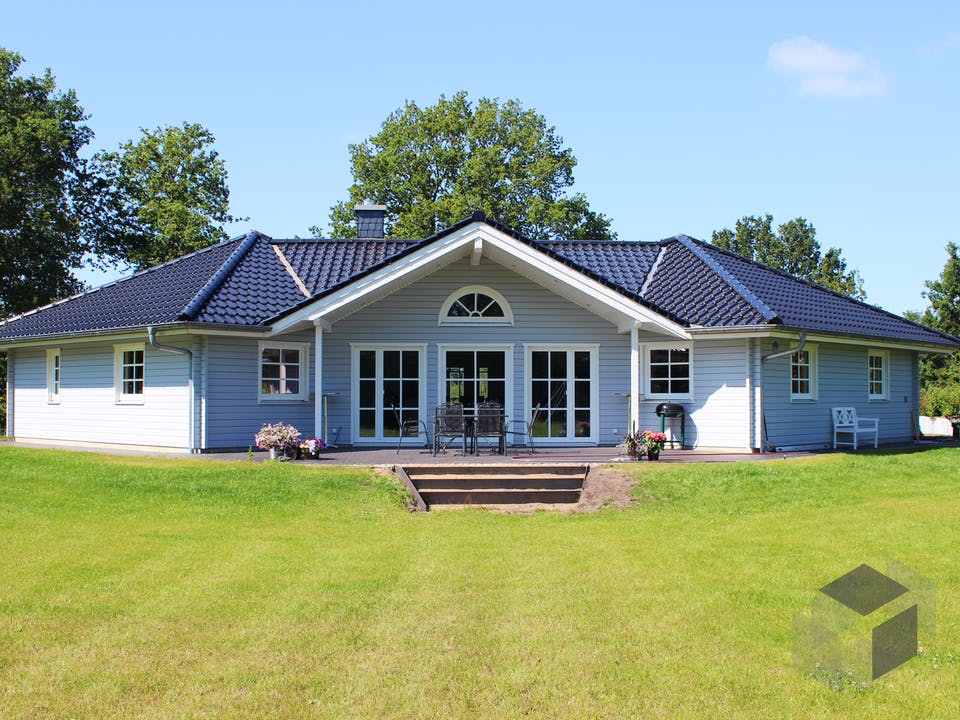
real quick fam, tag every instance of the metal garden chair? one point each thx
(450, 424)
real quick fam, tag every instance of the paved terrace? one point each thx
(519, 455)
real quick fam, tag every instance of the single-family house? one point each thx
(348, 338)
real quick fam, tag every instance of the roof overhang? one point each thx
(781, 331)
(477, 240)
(125, 333)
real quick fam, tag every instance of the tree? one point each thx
(41, 188)
(940, 374)
(159, 197)
(433, 166)
(793, 248)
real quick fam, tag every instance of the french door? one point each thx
(562, 381)
(388, 389)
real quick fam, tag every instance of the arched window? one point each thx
(476, 304)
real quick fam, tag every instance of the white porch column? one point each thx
(318, 417)
(634, 380)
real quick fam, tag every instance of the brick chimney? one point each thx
(370, 220)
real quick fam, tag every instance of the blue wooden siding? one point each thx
(230, 396)
(841, 381)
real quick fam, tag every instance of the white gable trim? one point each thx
(499, 247)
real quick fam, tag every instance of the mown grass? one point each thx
(134, 587)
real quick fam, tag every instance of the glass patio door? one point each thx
(388, 391)
(562, 383)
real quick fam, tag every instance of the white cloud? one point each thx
(824, 71)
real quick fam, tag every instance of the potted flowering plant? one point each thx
(653, 442)
(278, 438)
(312, 447)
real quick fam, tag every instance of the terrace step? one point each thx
(494, 484)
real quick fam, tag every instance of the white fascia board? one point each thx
(583, 284)
(780, 332)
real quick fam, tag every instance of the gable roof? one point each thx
(253, 281)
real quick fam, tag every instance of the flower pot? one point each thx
(653, 454)
(274, 454)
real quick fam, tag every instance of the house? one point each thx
(343, 337)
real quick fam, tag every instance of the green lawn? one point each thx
(134, 587)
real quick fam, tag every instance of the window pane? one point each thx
(368, 393)
(269, 372)
(368, 363)
(540, 427)
(558, 423)
(496, 392)
(410, 395)
(558, 393)
(582, 423)
(290, 356)
(659, 371)
(581, 365)
(659, 356)
(292, 371)
(681, 386)
(391, 363)
(659, 386)
(463, 361)
(268, 387)
(538, 364)
(558, 364)
(291, 387)
(391, 425)
(458, 310)
(411, 363)
(680, 371)
(540, 392)
(581, 393)
(410, 415)
(269, 355)
(679, 356)
(368, 423)
(138, 387)
(469, 301)
(493, 362)
(391, 393)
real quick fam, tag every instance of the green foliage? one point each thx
(160, 197)
(433, 166)
(793, 248)
(41, 188)
(940, 400)
(940, 374)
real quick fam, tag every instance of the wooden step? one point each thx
(502, 484)
(499, 496)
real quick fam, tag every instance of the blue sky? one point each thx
(683, 117)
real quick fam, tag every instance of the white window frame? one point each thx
(123, 398)
(304, 394)
(645, 370)
(379, 439)
(571, 348)
(884, 356)
(54, 375)
(481, 347)
(507, 318)
(813, 360)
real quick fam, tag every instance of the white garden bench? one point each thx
(846, 422)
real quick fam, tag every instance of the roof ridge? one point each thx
(728, 277)
(216, 280)
(653, 271)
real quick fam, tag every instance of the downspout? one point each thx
(152, 337)
(763, 359)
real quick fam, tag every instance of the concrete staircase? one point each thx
(502, 485)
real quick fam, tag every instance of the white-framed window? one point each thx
(129, 373)
(284, 371)
(669, 371)
(476, 304)
(803, 374)
(53, 375)
(388, 388)
(564, 381)
(878, 374)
